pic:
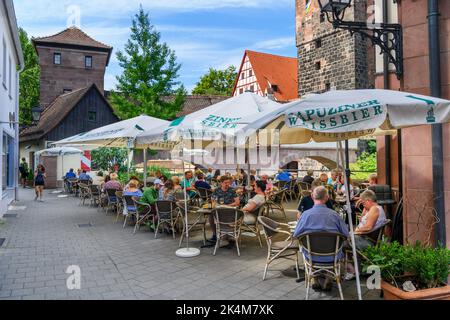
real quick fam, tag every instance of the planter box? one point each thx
(393, 293)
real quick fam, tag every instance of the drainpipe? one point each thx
(436, 130)
(387, 139)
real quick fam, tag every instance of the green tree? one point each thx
(217, 82)
(105, 158)
(367, 162)
(149, 73)
(29, 80)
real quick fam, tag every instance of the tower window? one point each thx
(67, 90)
(317, 64)
(318, 43)
(57, 58)
(322, 17)
(327, 86)
(88, 62)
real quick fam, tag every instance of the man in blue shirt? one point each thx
(201, 183)
(321, 219)
(71, 174)
(84, 176)
(284, 176)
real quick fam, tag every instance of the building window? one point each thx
(250, 73)
(241, 90)
(327, 86)
(252, 88)
(67, 90)
(57, 58)
(322, 18)
(242, 76)
(318, 43)
(88, 62)
(92, 116)
(8, 161)
(317, 64)
(4, 63)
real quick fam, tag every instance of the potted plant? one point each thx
(411, 272)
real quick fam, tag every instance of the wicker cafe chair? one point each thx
(275, 202)
(285, 249)
(302, 188)
(143, 213)
(119, 206)
(228, 223)
(194, 220)
(84, 193)
(254, 227)
(290, 190)
(95, 192)
(131, 209)
(204, 194)
(168, 213)
(112, 200)
(322, 244)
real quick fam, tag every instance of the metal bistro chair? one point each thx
(228, 223)
(322, 244)
(168, 213)
(95, 192)
(302, 188)
(275, 202)
(205, 194)
(119, 206)
(285, 249)
(290, 190)
(143, 213)
(194, 220)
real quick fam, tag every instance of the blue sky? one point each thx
(203, 33)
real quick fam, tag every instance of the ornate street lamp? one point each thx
(388, 36)
(36, 113)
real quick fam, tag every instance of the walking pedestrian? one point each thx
(39, 182)
(23, 169)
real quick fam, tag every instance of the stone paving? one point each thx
(45, 239)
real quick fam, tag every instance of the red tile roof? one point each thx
(278, 70)
(72, 36)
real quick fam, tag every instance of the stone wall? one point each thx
(331, 58)
(70, 74)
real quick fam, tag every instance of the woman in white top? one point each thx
(373, 215)
(253, 205)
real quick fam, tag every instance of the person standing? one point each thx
(39, 182)
(23, 169)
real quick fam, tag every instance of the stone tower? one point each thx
(70, 60)
(332, 59)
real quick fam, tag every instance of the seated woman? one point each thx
(308, 202)
(132, 191)
(134, 180)
(166, 193)
(251, 208)
(372, 218)
(176, 183)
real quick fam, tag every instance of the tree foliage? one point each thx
(149, 73)
(29, 80)
(217, 82)
(106, 158)
(367, 163)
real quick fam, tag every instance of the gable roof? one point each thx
(73, 37)
(276, 70)
(56, 112)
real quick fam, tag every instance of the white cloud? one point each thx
(277, 43)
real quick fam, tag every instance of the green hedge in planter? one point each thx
(426, 267)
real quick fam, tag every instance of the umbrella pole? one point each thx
(349, 215)
(186, 252)
(145, 166)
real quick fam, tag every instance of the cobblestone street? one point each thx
(44, 239)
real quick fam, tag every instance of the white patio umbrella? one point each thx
(343, 115)
(207, 125)
(59, 151)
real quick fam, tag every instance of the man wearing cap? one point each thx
(150, 194)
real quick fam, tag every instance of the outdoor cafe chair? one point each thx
(112, 200)
(228, 223)
(302, 188)
(143, 214)
(275, 202)
(195, 219)
(168, 213)
(119, 206)
(322, 244)
(95, 192)
(285, 249)
(254, 227)
(129, 209)
(204, 194)
(84, 193)
(290, 190)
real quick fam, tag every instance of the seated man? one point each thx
(151, 193)
(284, 176)
(309, 178)
(253, 205)
(308, 202)
(69, 175)
(201, 183)
(84, 176)
(321, 219)
(226, 195)
(189, 183)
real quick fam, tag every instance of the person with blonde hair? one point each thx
(176, 183)
(373, 179)
(112, 183)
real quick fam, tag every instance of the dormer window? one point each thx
(57, 58)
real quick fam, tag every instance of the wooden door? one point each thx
(50, 164)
